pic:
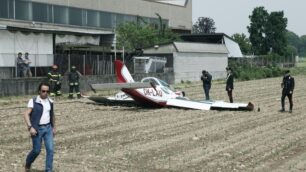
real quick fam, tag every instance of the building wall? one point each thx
(102, 14)
(179, 17)
(189, 66)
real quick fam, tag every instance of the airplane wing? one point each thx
(184, 103)
(209, 105)
(120, 85)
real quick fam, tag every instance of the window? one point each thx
(60, 14)
(23, 10)
(10, 9)
(93, 18)
(4, 9)
(119, 19)
(129, 18)
(106, 20)
(42, 12)
(75, 16)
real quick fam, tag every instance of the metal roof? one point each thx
(189, 47)
(60, 30)
(206, 38)
(216, 38)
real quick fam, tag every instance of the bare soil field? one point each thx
(94, 138)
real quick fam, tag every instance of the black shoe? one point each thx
(27, 168)
(282, 110)
(290, 111)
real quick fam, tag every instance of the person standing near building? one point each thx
(288, 87)
(206, 79)
(40, 121)
(74, 84)
(27, 70)
(229, 84)
(55, 81)
(20, 65)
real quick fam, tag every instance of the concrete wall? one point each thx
(189, 66)
(28, 86)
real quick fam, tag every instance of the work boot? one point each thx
(27, 168)
(282, 110)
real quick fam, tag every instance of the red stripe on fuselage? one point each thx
(143, 100)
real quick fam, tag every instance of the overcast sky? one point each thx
(232, 16)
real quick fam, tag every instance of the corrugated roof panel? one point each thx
(200, 47)
(233, 48)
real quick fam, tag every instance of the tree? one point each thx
(268, 31)
(204, 25)
(257, 30)
(290, 51)
(244, 43)
(132, 36)
(302, 48)
(293, 39)
(276, 32)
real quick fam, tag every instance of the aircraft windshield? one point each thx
(151, 81)
(163, 83)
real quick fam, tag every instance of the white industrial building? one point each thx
(188, 59)
(198, 52)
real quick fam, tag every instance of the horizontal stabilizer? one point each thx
(188, 104)
(108, 86)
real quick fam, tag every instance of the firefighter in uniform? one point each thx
(55, 81)
(74, 84)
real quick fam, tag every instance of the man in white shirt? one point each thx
(40, 121)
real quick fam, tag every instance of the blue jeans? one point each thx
(44, 133)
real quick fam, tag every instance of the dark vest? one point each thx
(37, 112)
(288, 84)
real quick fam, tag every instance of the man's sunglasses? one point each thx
(45, 91)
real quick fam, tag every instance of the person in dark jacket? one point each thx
(55, 81)
(229, 84)
(206, 79)
(74, 84)
(40, 121)
(288, 87)
(20, 65)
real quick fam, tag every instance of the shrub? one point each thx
(248, 72)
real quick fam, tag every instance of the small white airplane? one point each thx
(153, 92)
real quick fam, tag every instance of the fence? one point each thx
(269, 60)
(28, 86)
(86, 64)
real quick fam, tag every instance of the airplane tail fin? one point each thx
(122, 73)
